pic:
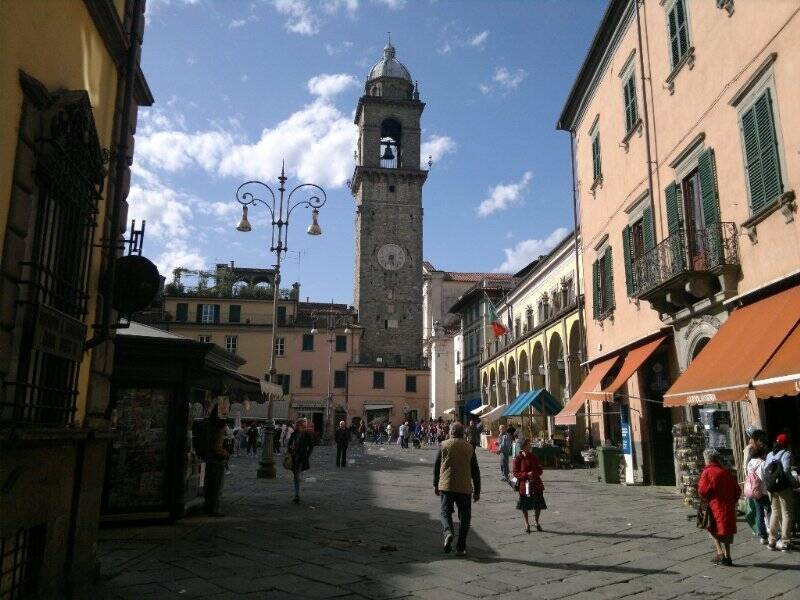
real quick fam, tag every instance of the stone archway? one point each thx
(538, 367)
(556, 368)
(493, 387)
(512, 379)
(502, 398)
(574, 353)
(524, 373)
(485, 398)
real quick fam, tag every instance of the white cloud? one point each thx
(333, 49)
(302, 20)
(179, 253)
(327, 85)
(244, 78)
(505, 195)
(436, 147)
(235, 23)
(485, 89)
(332, 6)
(479, 41)
(527, 250)
(446, 48)
(507, 79)
(392, 4)
(171, 150)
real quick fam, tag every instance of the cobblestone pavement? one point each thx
(371, 531)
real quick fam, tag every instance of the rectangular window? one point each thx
(603, 285)
(283, 381)
(234, 313)
(411, 383)
(308, 342)
(204, 339)
(678, 32)
(340, 379)
(341, 343)
(231, 343)
(280, 346)
(182, 311)
(377, 380)
(208, 313)
(281, 315)
(597, 168)
(306, 378)
(629, 95)
(761, 156)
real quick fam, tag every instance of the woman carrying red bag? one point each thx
(528, 472)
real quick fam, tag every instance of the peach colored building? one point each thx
(685, 150)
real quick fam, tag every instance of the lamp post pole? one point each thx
(280, 209)
(332, 323)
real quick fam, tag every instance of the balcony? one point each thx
(679, 272)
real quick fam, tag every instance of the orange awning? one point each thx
(725, 368)
(781, 375)
(592, 381)
(633, 360)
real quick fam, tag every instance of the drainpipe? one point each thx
(646, 119)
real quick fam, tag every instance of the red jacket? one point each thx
(525, 463)
(722, 491)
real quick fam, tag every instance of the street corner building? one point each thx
(686, 171)
(71, 85)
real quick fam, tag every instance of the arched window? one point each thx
(390, 147)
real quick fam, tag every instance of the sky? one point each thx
(242, 86)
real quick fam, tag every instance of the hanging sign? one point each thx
(624, 417)
(58, 334)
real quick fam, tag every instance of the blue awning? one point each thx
(472, 404)
(540, 399)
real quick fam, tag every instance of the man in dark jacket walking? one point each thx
(342, 438)
(299, 446)
(457, 481)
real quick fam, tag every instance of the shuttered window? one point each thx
(673, 210)
(339, 379)
(638, 239)
(306, 378)
(761, 152)
(596, 290)
(234, 313)
(678, 32)
(603, 286)
(629, 96)
(182, 311)
(597, 167)
(308, 342)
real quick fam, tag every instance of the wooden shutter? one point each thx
(285, 383)
(216, 313)
(626, 250)
(199, 318)
(609, 279)
(674, 47)
(234, 313)
(648, 229)
(182, 311)
(630, 103)
(595, 289)
(708, 187)
(597, 169)
(768, 147)
(673, 210)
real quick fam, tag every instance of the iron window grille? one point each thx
(21, 558)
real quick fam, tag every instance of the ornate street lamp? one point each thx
(333, 322)
(280, 209)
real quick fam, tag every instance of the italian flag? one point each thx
(497, 326)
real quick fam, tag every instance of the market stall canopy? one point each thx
(449, 411)
(480, 409)
(540, 399)
(493, 414)
(742, 348)
(378, 406)
(781, 375)
(271, 390)
(472, 404)
(568, 414)
(631, 363)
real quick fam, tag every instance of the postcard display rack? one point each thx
(690, 441)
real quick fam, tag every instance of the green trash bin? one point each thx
(608, 458)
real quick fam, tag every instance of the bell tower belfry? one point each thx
(387, 187)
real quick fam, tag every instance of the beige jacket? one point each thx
(456, 469)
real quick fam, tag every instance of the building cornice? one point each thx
(361, 172)
(386, 102)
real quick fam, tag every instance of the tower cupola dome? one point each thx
(389, 78)
(389, 66)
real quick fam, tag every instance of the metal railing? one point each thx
(703, 250)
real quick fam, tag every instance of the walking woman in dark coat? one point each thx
(721, 490)
(299, 446)
(528, 472)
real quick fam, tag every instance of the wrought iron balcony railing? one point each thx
(705, 250)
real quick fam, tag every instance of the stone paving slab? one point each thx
(371, 532)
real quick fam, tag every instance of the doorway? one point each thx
(318, 419)
(783, 414)
(659, 419)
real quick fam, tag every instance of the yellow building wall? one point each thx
(65, 52)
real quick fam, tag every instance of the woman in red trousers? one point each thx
(721, 490)
(528, 472)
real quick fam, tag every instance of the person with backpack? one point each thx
(721, 490)
(755, 492)
(504, 450)
(779, 481)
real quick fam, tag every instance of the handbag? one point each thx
(288, 461)
(704, 518)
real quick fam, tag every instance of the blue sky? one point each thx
(239, 86)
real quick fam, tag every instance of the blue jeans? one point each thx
(296, 474)
(763, 512)
(504, 464)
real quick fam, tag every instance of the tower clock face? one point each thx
(391, 257)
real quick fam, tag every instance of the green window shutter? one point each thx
(648, 229)
(597, 168)
(626, 250)
(673, 210)
(609, 275)
(630, 103)
(285, 384)
(234, 313)
(768, 147)
(182, 312)
(596, 289)
(674, 45)
(708, 187)
(199, 317)
(216, 313)
(752, 157)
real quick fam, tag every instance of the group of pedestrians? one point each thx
(769, 487)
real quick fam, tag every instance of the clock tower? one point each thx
(387, 187)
